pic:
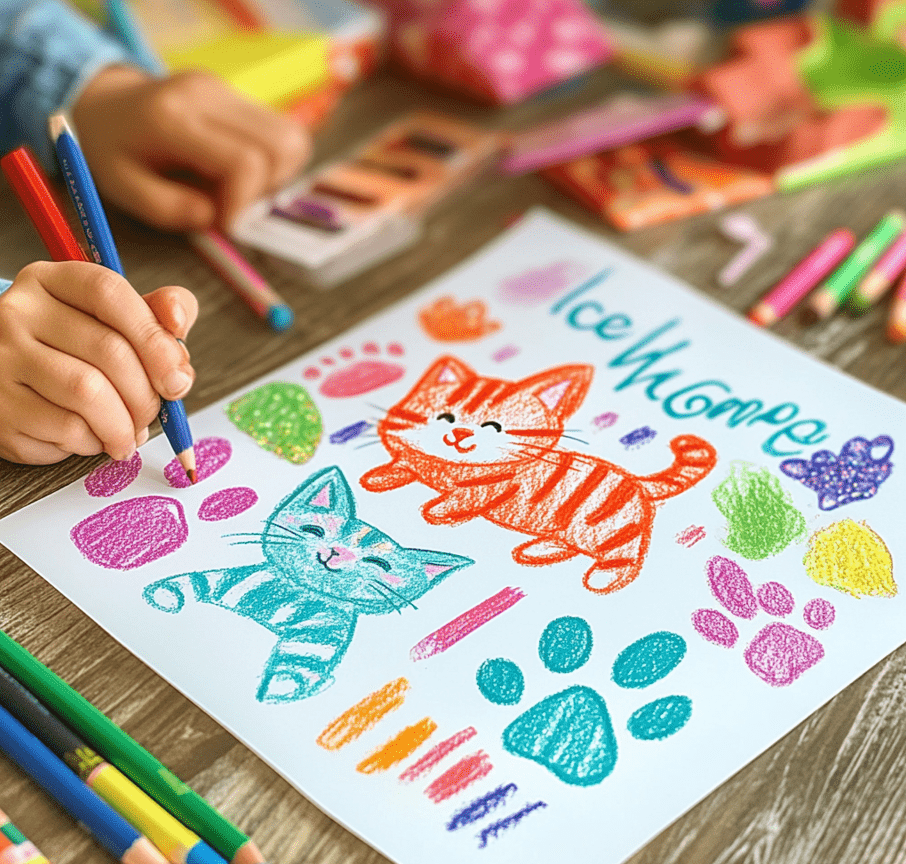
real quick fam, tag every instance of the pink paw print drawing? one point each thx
(779, 653)
(351, 374)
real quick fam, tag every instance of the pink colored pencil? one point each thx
(896, 323)
(881, 278)
(803, 277)
(617, 122)
(461, 626)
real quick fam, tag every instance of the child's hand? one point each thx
(184, 152)
(83, 359)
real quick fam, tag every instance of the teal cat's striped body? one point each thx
(324, 567)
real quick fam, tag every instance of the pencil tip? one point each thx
(193, 476)
(57, 125)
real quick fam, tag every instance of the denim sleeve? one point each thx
(48, 53)
(4, 284)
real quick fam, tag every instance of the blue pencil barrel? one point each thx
(175, 424)
(33, 757)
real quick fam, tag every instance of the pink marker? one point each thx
(881, 278)
(803, 277)
(620, 121)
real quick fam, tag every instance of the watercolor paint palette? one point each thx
(527, 544)
(350, 214)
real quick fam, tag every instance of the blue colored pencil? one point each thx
(91, 214)
(50, 772)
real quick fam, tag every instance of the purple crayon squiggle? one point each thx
(638, 437)
(211, 454)
(347, 433)
(495, 828)
(227, 503)
(819, 614)
(480, 807)
(504, 353)
(132, 533)
(540, 283)
(779, 654)
(112, 477)
(605, 420)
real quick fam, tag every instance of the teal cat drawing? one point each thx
(323, 568)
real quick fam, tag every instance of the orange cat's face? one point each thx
(456, 416)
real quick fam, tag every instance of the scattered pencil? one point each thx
(896, 323)
(15, 846)
(877, 283)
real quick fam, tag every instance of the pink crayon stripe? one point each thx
(460, 627)
(436, 753)
(462, 775)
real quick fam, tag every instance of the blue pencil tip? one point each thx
(280, 317)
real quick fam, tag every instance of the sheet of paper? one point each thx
(518, 570)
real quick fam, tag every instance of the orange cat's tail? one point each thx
(695, 458)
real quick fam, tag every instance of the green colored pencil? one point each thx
(130, 757)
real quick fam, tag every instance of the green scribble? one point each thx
(761, 517)
(282, 418)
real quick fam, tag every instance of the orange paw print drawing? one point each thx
(448, 321)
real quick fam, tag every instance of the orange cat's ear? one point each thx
(446, 370)
(562, 389)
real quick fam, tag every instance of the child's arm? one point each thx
(83, 359)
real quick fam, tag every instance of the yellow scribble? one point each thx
(852, 558)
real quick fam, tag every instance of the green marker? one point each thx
(828, 297)
(127, 755)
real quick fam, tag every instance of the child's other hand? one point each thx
(185, 152)
(83, 359)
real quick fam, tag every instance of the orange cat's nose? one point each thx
(460, 434)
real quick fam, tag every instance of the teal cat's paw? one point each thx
(288, 686)
(165, 595)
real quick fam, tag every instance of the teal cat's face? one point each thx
(314, 539)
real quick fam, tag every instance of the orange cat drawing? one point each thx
(490, 448)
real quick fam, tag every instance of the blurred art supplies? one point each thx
(351, 214)
(655, 181)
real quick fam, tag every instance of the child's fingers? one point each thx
(164, 203)
(45, 422)
(82, 389)
(175, 307)
(80, 335)
(112, 300)
(30, 451)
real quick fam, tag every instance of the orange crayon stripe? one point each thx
(464, 773)
(363, 715)
(398, 748)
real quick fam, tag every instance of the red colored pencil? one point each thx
(33, 190)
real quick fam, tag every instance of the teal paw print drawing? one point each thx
(571, 733)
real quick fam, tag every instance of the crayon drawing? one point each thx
(323, 568)
(346, 375)
(112, 477)
(571, 733)
(540, 284)
(779, 653)
(851, 557)
(448, 321)
(211, 455)
(282, 418)
(490, 447)
(227, 503)
(853, 475)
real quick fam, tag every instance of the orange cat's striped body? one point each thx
(490, 448)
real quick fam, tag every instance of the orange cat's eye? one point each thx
(493, 423)
(448, 417)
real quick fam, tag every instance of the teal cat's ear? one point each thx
(327, 491)
(439, 565)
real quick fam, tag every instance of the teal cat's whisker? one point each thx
(402, 597)
(573, 438)
(367, 444)
(376, 587)
(377, 407)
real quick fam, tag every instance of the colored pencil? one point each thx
(178, 844)
(803, 277)
(222, 256)
(825, 299)
(248, 284)
(40, 203)
(877, 283)
(130, 757)
(15, 847)
(48, 771)
(88, 205)
(896, 323)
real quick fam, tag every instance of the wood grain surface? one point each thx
(831, 791)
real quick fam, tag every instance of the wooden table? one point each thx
(830, 791)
